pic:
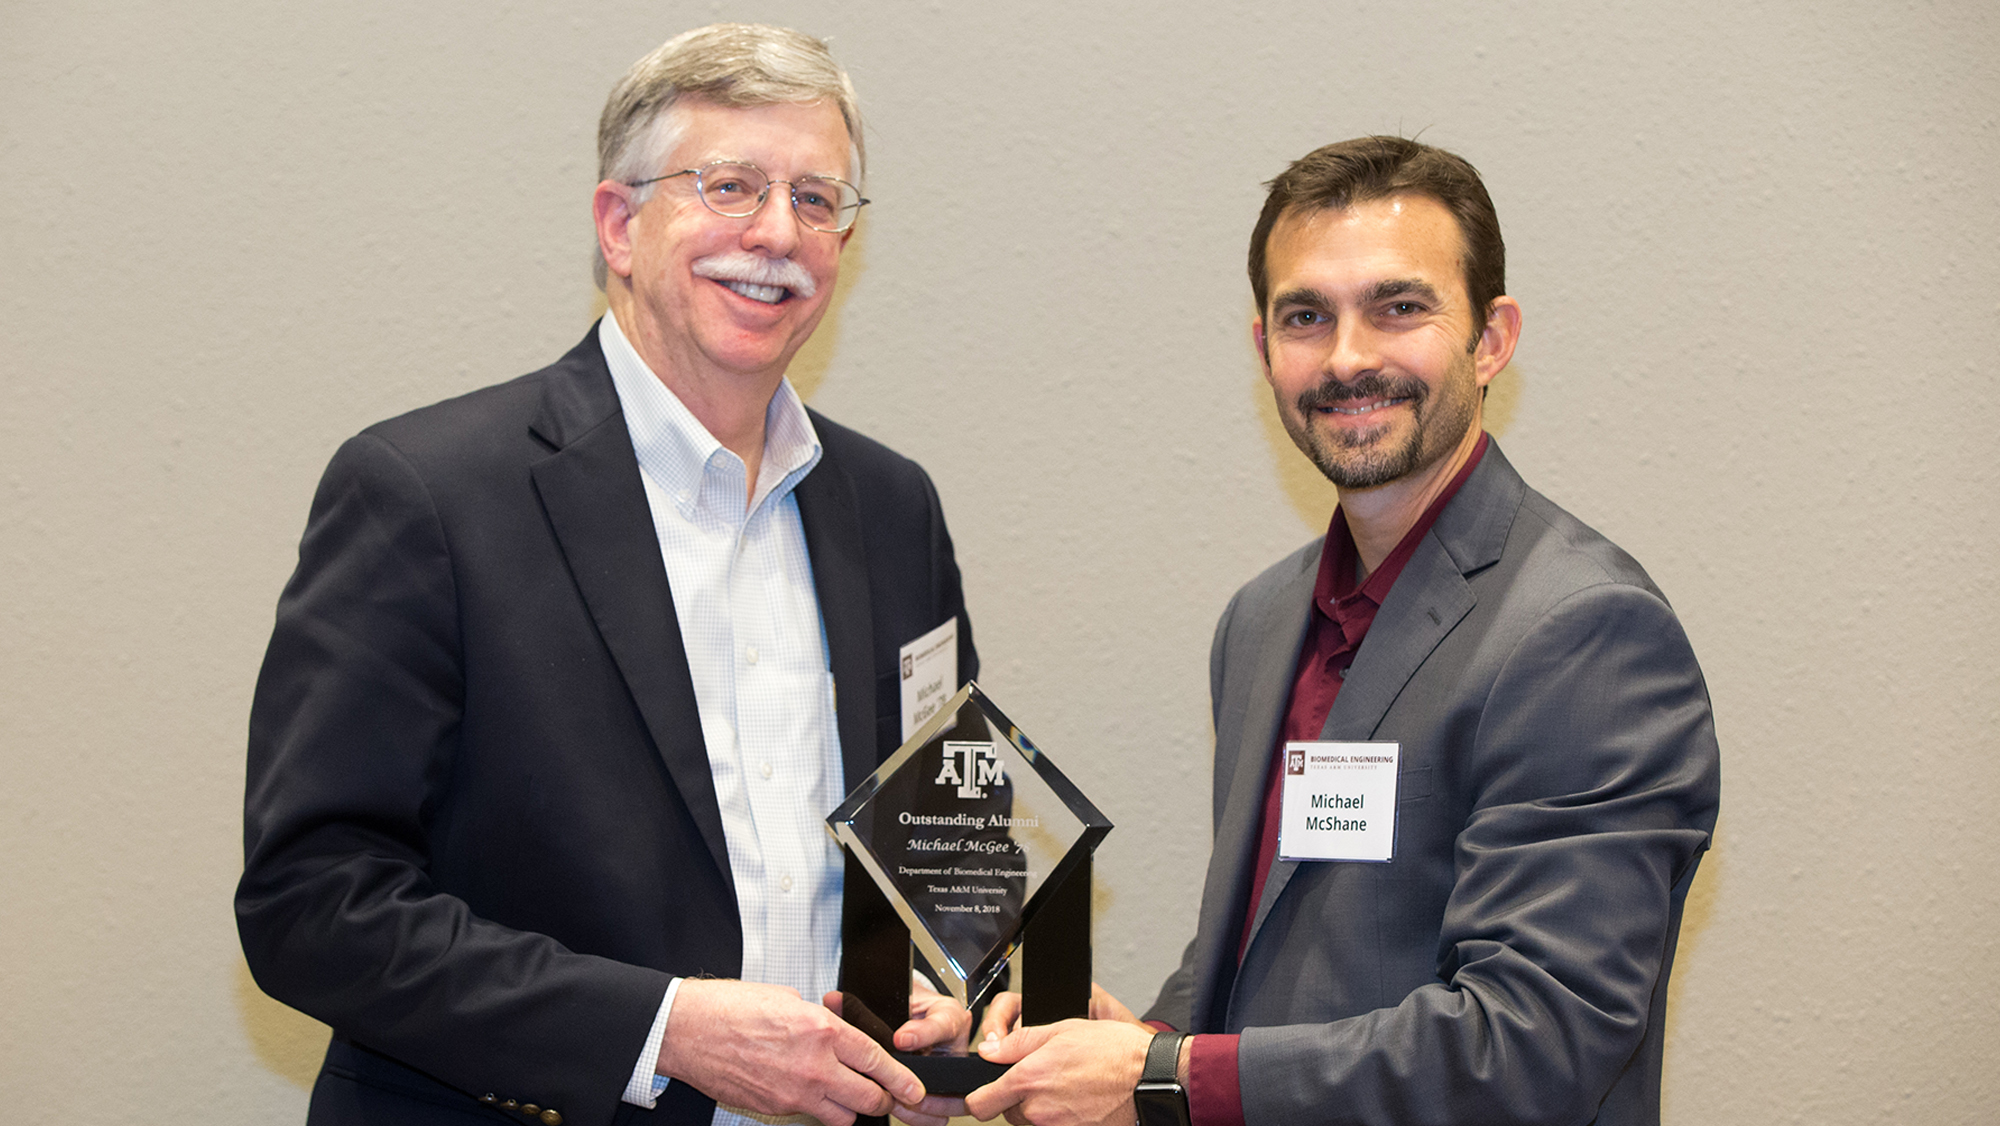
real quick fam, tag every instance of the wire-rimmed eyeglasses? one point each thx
(736, 189)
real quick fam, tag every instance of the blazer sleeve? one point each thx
(353, 734)
(1592, 766)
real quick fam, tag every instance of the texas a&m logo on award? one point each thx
(971, 767)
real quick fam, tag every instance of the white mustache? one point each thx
(754, 269)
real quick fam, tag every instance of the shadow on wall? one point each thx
(288, 1043)
(1310, 494)
(1697, 916)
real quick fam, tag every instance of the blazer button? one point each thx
(530, 1109)
(510, 1104)
(490, 1099)
(551, 1118)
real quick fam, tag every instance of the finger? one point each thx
(1001, 1016)
(934, 1028)
(941, 1020)
(934, 1110)
(1103, 1006)
(850, 1096)
(987, 1102)
(1014, 1046)
(831, 1113)
(891, 1080)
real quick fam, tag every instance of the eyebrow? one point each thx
(1301, 295)
(1387, 289)
(1391, 288)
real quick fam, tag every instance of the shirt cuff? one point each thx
(646, 1084)
(1214, 1088)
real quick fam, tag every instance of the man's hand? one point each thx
(1071, 1073)
(763, 1048)
(1003, 1013)
(935, 1018)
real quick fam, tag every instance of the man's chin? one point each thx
(1364, 466)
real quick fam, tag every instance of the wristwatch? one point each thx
(1159, 1097)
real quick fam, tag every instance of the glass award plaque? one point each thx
(969, 844)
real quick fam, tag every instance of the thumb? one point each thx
(1016, 1045)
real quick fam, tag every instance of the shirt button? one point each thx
(764, 768)
(784, 883)
(750, 654)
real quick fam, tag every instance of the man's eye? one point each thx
(1304, 318)
(1406, 308)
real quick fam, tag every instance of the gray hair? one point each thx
(729, 64)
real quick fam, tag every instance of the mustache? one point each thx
(754, 269)
(1371, 386)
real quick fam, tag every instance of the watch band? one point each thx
(1163, 1058)
(1159, 1099)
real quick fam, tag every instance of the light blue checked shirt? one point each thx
(750, 625)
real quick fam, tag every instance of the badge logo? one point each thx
(971, 767)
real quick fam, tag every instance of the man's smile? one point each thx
(771, 281)
(1364, 408)
(768, 294)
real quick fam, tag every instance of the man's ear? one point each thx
(1495, 346)
(1263, 346)
(611, 207)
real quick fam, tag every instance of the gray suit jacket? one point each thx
(1558, 784)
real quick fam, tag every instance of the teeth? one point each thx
(768, 294)
(1367, 409)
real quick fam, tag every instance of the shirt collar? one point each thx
(1336, 592)
(683, 458)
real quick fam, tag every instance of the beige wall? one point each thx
(1756, 244)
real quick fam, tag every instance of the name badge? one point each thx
(929, 674)
(1339, 801)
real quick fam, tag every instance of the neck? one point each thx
(1380, 517)
(729, 405)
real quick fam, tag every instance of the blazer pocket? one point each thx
(1413, 784)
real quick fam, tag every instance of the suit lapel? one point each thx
(1283, 625)
(591, 491)
(1426, 603)
(832, 520)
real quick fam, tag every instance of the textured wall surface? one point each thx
(1756, 245)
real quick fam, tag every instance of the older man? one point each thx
(572, 667)
(1464, 761)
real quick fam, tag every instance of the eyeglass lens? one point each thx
(737, 190)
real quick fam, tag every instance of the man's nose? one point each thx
(774, 229)
(1356, 349)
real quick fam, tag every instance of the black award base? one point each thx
(875, 974)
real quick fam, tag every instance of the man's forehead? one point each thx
(710, 130)
(1405, 235)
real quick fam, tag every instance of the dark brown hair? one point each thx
(1338, 176)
